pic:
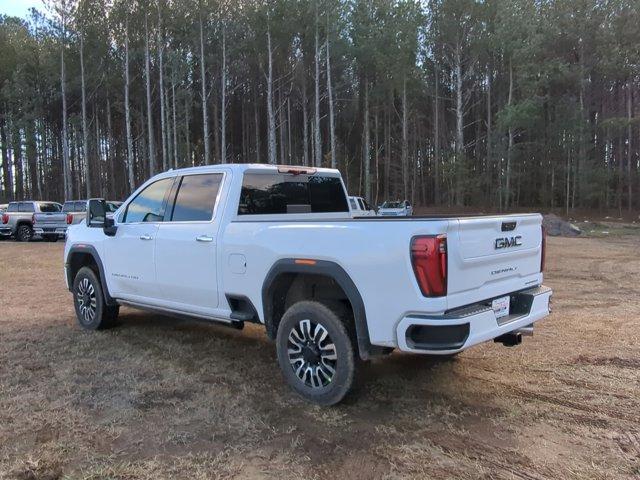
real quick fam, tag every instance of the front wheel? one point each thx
(315, 353)
(91, 310)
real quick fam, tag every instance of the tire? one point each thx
(24, 233)
(50, 238)
(91, 310)
(315, 353)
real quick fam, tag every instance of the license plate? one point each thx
(501, 306)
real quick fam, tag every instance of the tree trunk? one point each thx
(6, 167)
(507, 193)
(305, 125)
(256, 121)
(147, 63)
(332, 128)
(317, 139)
(459, 157)
(110, 159)
(436, 138)
(366, 150)
(163, 123)
(223, 102)
(175, 123)
(127, 111)
(66, 167)
(270, 114)
(205, 115)
(85, 131)
(405, 142)
(629, 132)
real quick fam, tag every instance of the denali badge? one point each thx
(508, 242)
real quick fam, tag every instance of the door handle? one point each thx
(146, 237)
(204, 238)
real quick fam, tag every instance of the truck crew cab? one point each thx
(277, 246)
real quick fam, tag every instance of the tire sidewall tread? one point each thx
(335, 325)
(104, 315)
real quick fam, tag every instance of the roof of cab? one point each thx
(243, 167)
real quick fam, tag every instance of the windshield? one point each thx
(392, 205)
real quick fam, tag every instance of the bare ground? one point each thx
(163, 398)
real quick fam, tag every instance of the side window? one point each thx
(68, 207)
(26, 207)
(352, 202)
(361, 204)
(80, 207)
(13, 207)
(196, 198)
(148, 206)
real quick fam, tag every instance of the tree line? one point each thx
(498, 103)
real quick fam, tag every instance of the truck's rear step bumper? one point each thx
(462, 328)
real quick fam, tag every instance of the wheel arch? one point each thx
(280, 278)
(87, 256)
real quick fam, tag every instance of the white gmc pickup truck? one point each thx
(277, 246)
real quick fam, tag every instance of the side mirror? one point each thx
(97, 216)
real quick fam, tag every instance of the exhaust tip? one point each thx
(510, 339)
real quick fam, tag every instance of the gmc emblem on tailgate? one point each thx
(508, 242)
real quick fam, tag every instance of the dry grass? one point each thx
(162, 398)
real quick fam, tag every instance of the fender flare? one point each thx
(90, 250)
(327, 269)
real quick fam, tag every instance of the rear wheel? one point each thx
(24, 233)
(315, 353)
(91, 310)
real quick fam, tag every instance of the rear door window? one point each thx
(196, 198)
(26, 207)
(264, 194)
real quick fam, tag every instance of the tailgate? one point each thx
(52, 218)
(492, 256)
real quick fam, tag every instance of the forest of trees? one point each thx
(496, 103)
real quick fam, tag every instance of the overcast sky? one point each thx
(18, 8)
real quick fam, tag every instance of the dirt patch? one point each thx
(164, 398)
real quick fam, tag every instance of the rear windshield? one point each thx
(264, 194)
(49, 207)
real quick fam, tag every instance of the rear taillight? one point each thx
(33, 218)
(5, 219)
(429, 260)
(543, 249)
(69, 219)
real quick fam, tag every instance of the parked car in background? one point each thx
(278, 246)
(360, 208)
(17, 221)
(53, 225)
(396, 209)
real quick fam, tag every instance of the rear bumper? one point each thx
(61, 231)
(5, 231)
(464, 328)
